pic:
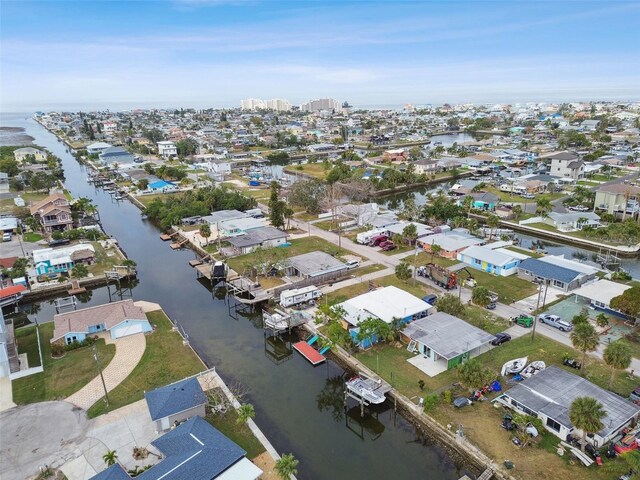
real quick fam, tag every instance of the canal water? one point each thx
(298, 407)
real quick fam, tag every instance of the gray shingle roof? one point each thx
(548, 270)
(553, 389)
(315, 263)
(174, 398)
(256, 236)
(447, 335)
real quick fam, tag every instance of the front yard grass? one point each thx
(165, 360)
(31, 237)
(412, 286)
(62, 376)
(298, 247)
(316, 170)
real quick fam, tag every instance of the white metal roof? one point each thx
(494, 257)
(570, 264)
(57, 256)
(602, 291)
(384, 303)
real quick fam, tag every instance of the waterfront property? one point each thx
(313, 264)
(600, 293)
(618, 199)
(443, 341)
(22, 154)
(59, 260)
(485, 200)
(113, 155)
(548, 396)
(97, 147)
(387, 304)
(499, 262)
(167, 149)
(161, 186)
(172, 404)
(119, 319)
(451, 243)
(194, 450)
(572, 221)
(53, 213)
(563, 277)
(261, 237)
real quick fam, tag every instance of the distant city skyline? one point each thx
(214, 53)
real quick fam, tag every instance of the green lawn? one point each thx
(412, 286)
(509, 289)
(360, 271)
(104, 261)
(165, 360)
(62, 376)
(147, 199)
(482, 318)
(31, 237)
(239, 433)
(514, 198)
(314, 169)
(297, 247)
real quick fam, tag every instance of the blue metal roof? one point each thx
(114, 472)
(195, 451)
(548, 270)
(174, 398)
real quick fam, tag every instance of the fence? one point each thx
(318, 280)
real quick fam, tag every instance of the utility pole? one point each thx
(104, 385)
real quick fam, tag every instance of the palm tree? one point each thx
(584, 338)
(205, 231)
(435, 250)
(286, 466)
(110, 458)
(517, 211)
(403, 272)
(618, 356)
(543, 206)
(586, 414)
(245, 412)
(492, 222)
(467, 202)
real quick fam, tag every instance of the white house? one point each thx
(21, 154)
(600, 293)
(566, 165)
(572, 221)
(167, 149)
(97, 147)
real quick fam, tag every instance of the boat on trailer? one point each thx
(533, 368)
(367, 390)
(514, 366)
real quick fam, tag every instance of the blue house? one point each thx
(485, 200)
(563, 277)
(194, 450)
(483, 258)
(120, 319)
(162, 186)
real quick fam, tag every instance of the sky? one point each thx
(212, 53)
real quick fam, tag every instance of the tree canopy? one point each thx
(629, 302)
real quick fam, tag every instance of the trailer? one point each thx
(289, 298)
(364, 238)
(441, 276)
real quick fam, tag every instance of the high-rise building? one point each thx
(277, 104)
(320, 104)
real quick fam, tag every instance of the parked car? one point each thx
(530, 196)
(377, 240)
(352, 264)
(579, 208)
(556, 322)
(635, 395)
(6, 237)
(386, 246)
(491, 306)
(431, 299)
(500, 338)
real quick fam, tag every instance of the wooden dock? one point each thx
(165, 237)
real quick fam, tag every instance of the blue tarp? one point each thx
(496, 387)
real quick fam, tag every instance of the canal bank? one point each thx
(294, 402)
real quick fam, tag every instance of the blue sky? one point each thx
(204, 53)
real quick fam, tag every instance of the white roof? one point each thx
(421, 228)
(93, 146)
(570, 264)
(241, 470)
(518, 255)
(494, 257)
(298, 291)
(384, 303)
(451, 241)
(602, 291)
(58, 256)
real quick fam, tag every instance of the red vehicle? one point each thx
(377, 240)
(386, 246)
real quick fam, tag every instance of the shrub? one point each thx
(57, 349)
(431, 402)
(447, 397)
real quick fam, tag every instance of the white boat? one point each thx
(367, 390)
(514, 366)
(277, 320)
(533, 368)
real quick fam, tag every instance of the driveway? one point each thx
(15, 249)
(59, 435)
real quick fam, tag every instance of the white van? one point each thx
(352, 264)
(6, 237)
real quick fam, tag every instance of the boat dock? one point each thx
(305, 348)
(366, 390)
(280, 321)
(240, 286)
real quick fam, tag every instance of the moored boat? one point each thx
(367, 390)
(514, 366)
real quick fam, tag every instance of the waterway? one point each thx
(298, 407)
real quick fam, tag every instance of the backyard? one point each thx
(61, 376)
(239, 433)
(316, 170)
(412, 286)
(105, 259)
(165, 360)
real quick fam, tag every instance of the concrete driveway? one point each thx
(14, 249)
(59, 435)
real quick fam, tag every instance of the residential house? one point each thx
(119, 319)
(238, 226)
(173, 404)
(497, 261)
(97, 147)
(314, 264)
(427, 166)
(4, 182)
(451, 243)
(386, 304)
(566, 165)
(443, 341)
(572, 221)
(167, 149)
(113, 155)
(485, 200)
(22, 154)
(53, 213)
(261, 237)
(194, 450)
(59, 260)
(8, 225)
(600, 293)
(590, 125)
(395, 155)
(619, 199)
(550, 271)
(422, 230)
(548, 396)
